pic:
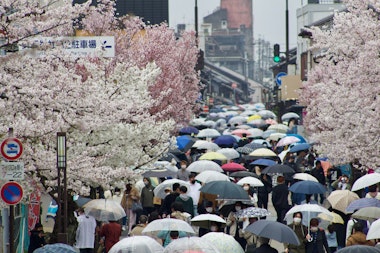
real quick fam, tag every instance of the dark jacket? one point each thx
(147, 195)
(320, 242)
(301, 231)
(36, 241)
(319, 174)
(167, 203)
(280, 196)
(188, 205)
(265, 248)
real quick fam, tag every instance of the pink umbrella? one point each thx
(240, 132)
(287, 140)
(232, 167)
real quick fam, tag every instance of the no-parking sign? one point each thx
(11, 193)
(11, 149)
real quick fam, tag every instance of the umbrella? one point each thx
(159, 190)
(273, 230)
(263, 152)
(168, 224)
(366, 180)
(230, 153)
(374, 230)
(210, 146)
(278, 168)
(252, 181)
(223, 242)
(213, 156)
(253, 117)
(190, 130)
(267, 133)
(305, 177)
(199, 142)
(208, 133)
(303, 140)
(185, 142)
(307, 210)
(209, 176)
(299, 147)
(255, 132)
(253, 212)
(279, 128)
(237, 120)
(231, 167)
(336, 218)
(307, 187)
(263, 162)
(104, 210)
(254, 145)
(56, 248)
(225, 190)
(204, 220)
(199, 166)
(140, 243)
(225, 141)
(159, 173)
(287, 140)
(360, 203)
(340, 199)
(262, 142)
(81, 201)
(289, 115)
(359, 249)
(191, 245)
(276, 136)
(241, 174)
(266, 114)
(172, 155)
(241, 132)
(244, 150)
(366, 213)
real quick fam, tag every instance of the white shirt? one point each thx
(194, 192)
(85, 235)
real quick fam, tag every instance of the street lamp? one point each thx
(62, 193)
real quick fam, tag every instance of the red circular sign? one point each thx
(11, 193)
(11, 149)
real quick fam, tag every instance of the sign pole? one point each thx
(11, 213)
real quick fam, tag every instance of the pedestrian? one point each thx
(171, 195)
(263, 192)
(264, 246)
(358, 237)
(37, 238)
(130, 195)
(182, 173)
(331, 238)
(342, 183)
(137, 230)
(193, 192)
(186, 200)
(316, 239)
(111, 233)
(333, 174)
(301, 231)
(319, 174)
(147, 196)
(234, 225)
(250, 237)
(373, 192)
(280, 201)
(85, 234)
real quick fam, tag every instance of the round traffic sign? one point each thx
(278, 78)
(11, 149)
(11, 193)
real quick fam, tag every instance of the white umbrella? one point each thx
(210, 146)
(280, 128)
(255, 132)
(305, 177)
(139, 243)
(168, 224)
(190, 244)
(223, 242)
(289, 115)
(366, 180)
(199, 166)
(267, 114)
(204, 220)
(104, 210)
(308, 211)
(237, 120)
(276, 136)
(208, 133)
(159, 190)
(374, 230)
(199, 142)
(252, 181)
(209, 176)
(230, 153)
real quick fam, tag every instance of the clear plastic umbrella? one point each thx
(191, 245)
(140, 243)
(223, 242)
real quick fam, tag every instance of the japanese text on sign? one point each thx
(12, 170)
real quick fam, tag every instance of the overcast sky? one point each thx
(269, 17)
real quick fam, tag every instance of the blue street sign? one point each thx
(11, 193)
(278, 77)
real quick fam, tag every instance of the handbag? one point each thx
(136, 206)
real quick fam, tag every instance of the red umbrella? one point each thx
(231, 167)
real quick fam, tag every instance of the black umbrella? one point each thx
(225, 190)
(241, 174)
(359, 249)
(278, 168)
(273, 230)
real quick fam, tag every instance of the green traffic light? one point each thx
(276, 58)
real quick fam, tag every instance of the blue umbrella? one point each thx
(185, 142)
(190, 130)
(56, 248)
(307, 187)
(360, 203)
(359, 249)
(263, 162)
(299, 147)
(278, 168)
(226, 141)
(303, 140)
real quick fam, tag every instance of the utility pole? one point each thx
(287, 34)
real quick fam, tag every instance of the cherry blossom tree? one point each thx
(343, 92)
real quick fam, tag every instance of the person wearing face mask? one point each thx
(194, 192)
(147, 196)
(182, 173)
(250, 237)
(316, 239)
(186, 200)
(130, 194)
(169, 199)
(234, 225)
(301, 231)
(342, 183)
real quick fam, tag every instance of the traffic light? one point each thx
(276, 53)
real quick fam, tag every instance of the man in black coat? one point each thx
(264, 247)
(169, 200)
(280, 201)
(319, 174)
